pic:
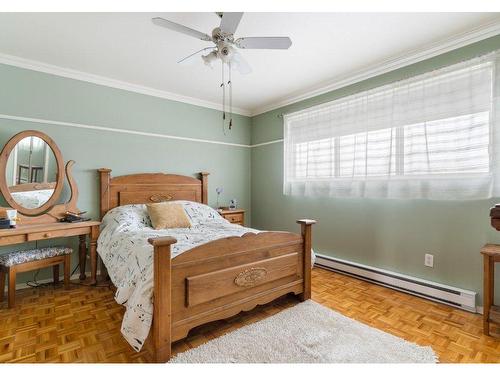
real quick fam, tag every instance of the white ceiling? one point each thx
(326, 46)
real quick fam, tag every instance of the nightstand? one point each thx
(236, 216)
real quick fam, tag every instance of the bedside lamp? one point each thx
(219, 191)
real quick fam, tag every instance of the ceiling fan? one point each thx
(225, 43)
(225, 48)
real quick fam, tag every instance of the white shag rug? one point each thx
(307, 333)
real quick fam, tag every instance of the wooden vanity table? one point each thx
(37, 232)
(39, 202)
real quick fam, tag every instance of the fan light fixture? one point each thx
(225, 51)
(210, 58)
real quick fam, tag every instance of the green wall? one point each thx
(391, 234)
(33, 94)
(386, 233)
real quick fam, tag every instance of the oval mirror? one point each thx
(32, 176)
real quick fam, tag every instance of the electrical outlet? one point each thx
(429, 260)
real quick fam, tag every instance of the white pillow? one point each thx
(130, 216)
(200, 213)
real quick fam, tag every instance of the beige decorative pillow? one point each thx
(166, 215)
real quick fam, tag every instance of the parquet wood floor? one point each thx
(83, 324)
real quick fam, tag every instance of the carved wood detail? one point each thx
(250, 277)
(158, 198)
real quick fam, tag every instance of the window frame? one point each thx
(399, 173)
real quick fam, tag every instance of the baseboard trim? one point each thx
(456, 297)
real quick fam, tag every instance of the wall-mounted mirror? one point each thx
(31, 172)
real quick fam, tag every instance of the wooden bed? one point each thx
(218, 279)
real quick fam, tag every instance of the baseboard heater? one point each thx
(464, 299)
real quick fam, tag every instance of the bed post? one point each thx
(104, 179)
(306, 226)
(162, 328)
(204, 187)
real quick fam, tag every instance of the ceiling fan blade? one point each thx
(241, 65)
(180, 28)
(190, 58)
(264, 42)
(230, 21)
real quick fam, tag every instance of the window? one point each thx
(431, 136)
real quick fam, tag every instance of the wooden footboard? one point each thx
(224, 277)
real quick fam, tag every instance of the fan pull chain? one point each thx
(230, 84)
(223, 85)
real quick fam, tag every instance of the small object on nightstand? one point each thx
(233, 203)
(233, 216)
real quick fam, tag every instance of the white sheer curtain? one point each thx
(432, 136)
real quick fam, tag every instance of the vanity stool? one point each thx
(29, 260)
(491, 313)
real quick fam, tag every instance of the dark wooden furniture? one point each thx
(491, 313)
(13, 270)
(236, 216)
(495, 216)
(218, 279)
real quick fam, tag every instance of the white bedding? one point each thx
(32, 198)
(128, 256)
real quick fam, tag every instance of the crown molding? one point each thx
(411, 57)
(431, 50)
(39, 66)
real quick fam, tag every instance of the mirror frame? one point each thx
(4, 187)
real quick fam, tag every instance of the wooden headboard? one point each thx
(149, 188)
